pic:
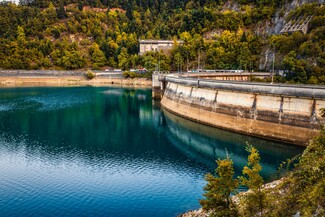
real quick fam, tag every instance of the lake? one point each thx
(110, 151)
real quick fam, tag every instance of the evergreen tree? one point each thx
(219, 188)
(21, 37)
(123, 59)
(73, 60)
(61, 12)
(97, 56)
(253, 201)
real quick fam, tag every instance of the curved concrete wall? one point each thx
(284, 112)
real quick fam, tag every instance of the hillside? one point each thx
(229, 35)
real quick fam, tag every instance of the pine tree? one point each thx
(219, 189)
(21, 37)
(253, 201)
(123, 59)
(61, 12)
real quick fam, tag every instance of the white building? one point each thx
(156, 45)
(12, 1)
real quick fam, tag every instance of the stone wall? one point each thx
(287, 113)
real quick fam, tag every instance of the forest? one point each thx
(57, 34)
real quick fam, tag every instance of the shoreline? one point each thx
(23, 78)
(70, 81)
(236, 199)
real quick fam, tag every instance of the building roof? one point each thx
(151, 41)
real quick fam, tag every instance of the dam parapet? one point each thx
(158, 85)
(289, 113)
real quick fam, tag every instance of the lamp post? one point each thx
(273, 60)
(159, 62)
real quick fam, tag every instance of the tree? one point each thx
(252, 201)
(302, 190)
(219, 188)
(149, 61)
(73, 60)
(123, 59)
(61, 12)
(50, 13)
(297, 69)
(97, 56)
(21, 37)
(244, 57)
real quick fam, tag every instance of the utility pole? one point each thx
(158, 61)
(273, 68)
(198, 60)
(187, 63)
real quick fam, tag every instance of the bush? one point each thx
(90, 75)
(128, 74)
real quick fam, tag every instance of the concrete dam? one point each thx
(288, 113)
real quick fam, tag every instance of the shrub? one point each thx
(128, 74)
(90, 75)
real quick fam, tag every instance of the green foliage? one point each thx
(224, 38)
(300, 191)
(253, 202)
(303, 189)
(302, 55)
(123, 59)
(303, 10)
(72, 60)
(97, 56)
(90, 75)
(127, 74)
(252, 178)
(21, 38)
(218, 190)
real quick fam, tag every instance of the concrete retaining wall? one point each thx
(287, 113)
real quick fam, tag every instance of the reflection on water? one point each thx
(105, 151)
(206, 144)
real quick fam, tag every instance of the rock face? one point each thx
(195, 213)
(236, 199)
(274, 26)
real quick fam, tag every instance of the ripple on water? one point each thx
(102, 154)
(55, 102)
(4, 108)
(61, 182)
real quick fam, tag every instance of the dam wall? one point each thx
(288, 113)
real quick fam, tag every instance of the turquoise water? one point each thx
(108, 151)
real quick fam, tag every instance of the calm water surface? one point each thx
(107, 151)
